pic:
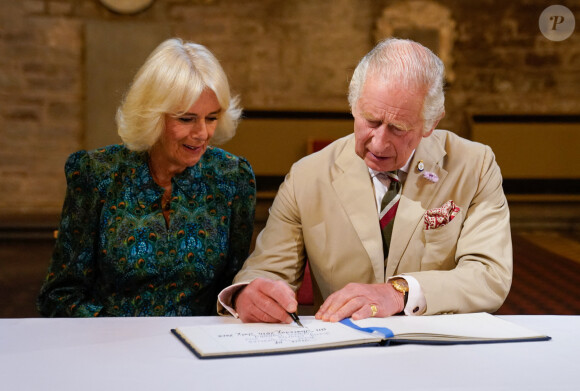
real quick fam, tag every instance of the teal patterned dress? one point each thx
(115, 254)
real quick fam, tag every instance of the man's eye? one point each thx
(373, 124)
(396, 129)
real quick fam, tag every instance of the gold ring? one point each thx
(373, 310)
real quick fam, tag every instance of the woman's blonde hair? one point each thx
(170, 82)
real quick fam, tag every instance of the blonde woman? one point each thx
(158, 225)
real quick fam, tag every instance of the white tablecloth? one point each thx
(142, 354)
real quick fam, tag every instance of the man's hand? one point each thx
(359, 300)
(264, 300)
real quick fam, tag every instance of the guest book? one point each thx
(242, 339)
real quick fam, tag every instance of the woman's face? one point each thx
(187, 136)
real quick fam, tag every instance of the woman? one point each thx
(159, 225)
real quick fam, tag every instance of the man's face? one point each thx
(388, 124)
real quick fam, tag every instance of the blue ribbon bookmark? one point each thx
(381, 330)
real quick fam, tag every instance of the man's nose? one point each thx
(382, 137)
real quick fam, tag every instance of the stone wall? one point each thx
(279, 55)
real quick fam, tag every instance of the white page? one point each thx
(477, 325)
(258, 337)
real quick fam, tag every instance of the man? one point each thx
(449, 250)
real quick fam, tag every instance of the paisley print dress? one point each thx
(115, 255)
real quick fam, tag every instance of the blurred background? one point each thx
(65, 64)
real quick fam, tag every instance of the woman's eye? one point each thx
(211, 119)
(185, 120)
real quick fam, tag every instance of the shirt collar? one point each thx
(405, 168)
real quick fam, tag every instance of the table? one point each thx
(142, 354)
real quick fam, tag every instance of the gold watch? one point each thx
(401, 285)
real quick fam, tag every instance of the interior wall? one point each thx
(287, 56)
(532, 148)
(113, 53)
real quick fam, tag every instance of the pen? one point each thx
(295, 318)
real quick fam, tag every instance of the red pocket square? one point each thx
(438, 217)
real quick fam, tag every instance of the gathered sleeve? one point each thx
(67, 289)
(242, 221)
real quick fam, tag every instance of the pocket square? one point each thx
(438, 217)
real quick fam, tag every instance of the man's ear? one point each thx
(427, 134)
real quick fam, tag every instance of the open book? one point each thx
(241, 339)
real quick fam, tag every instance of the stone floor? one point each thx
(564, 244)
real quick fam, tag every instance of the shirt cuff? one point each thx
(225, 299)
(416, 303)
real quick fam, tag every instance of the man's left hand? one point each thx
(360, 301)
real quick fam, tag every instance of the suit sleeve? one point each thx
(482, 277)
(279, 253)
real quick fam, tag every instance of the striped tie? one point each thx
(389, 206)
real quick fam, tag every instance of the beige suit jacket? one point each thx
(325, 211)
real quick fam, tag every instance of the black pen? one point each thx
(295, 318)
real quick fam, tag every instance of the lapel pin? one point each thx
(420, 166)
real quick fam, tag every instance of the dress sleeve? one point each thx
(242, 221)
(68, 286)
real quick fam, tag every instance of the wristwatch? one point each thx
(401, 285)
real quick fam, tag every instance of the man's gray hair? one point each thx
(408, 62)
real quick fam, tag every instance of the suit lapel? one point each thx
(416, 197)
(354, 189)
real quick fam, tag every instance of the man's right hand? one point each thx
(264, 300)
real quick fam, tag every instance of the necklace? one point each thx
(166, 201)
(166, 197)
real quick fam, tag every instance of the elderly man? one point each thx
(399, 218)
